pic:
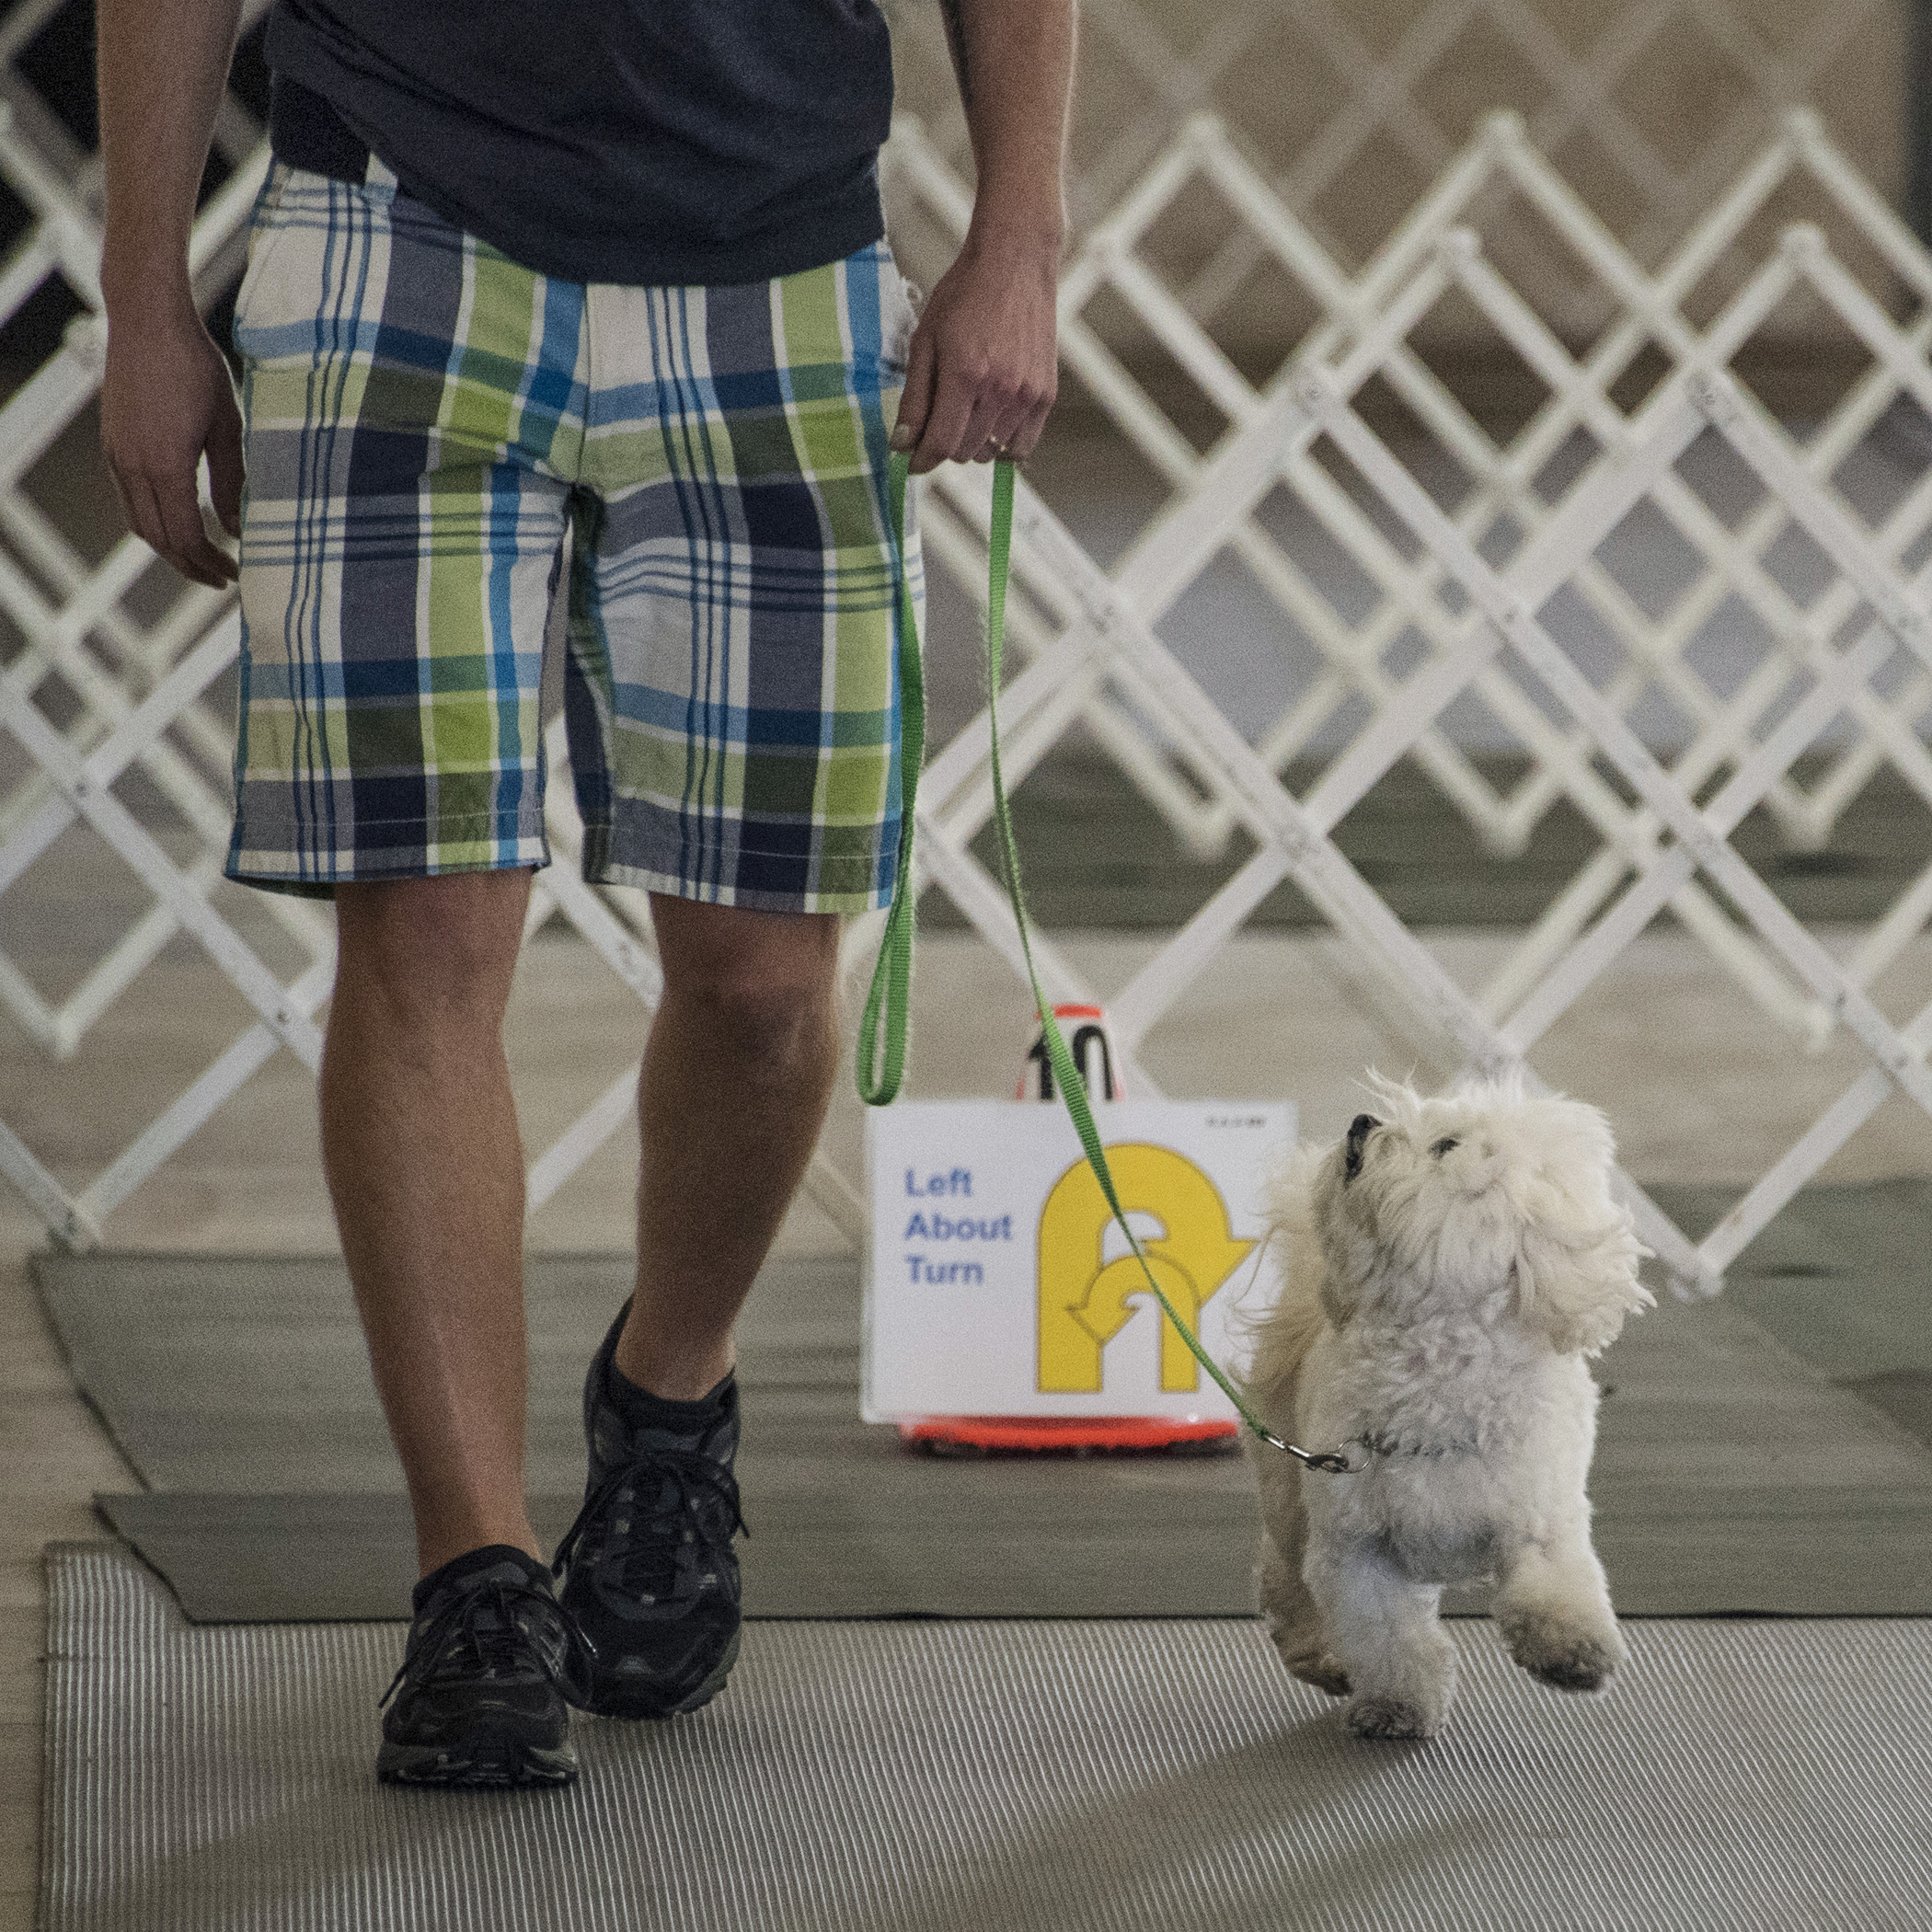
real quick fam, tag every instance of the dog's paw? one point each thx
(1320, 1669)
(1392, 1718)
(1563, 1657)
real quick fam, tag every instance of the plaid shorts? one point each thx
(426, 421)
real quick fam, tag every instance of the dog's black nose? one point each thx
(1360, 1128)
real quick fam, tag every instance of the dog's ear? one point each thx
(1577, 1280)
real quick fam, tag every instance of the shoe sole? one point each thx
(604, 1704)
(505, 1766)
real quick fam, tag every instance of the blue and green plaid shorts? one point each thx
(426, 421)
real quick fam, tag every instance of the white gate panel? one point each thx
(1833, 666)
(1328, 97)
(1474, 543)
(1504, 487)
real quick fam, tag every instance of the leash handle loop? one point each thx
(891, 976)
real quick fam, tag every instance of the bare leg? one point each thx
(420, 1142)
(736, 1080)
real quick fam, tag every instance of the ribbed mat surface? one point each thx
(976, 1778)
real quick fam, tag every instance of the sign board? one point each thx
(996, 1283)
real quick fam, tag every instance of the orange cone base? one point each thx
(1046, 1432)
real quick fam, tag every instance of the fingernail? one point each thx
(903, 438)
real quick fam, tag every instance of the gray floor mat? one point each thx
(995, 1777)
(248, 1372)
(239, 1389)
(1843, 1277)
(1729, 1475)
(940, 1541)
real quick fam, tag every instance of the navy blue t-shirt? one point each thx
(632, 141)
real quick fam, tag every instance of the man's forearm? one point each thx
(162, 66)
(165, 398)
(1015, 61)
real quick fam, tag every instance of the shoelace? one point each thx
(650, 1563)
(505, 1645)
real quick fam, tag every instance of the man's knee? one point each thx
(765, 981)
(430, 948)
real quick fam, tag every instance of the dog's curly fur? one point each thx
(1445, 1270)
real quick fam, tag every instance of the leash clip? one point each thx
(1330, 1462)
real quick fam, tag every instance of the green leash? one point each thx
(883, 1067)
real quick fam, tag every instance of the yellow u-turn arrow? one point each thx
(1085, 1300)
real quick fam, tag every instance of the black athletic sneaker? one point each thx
(492, 1664)
(649, 1574)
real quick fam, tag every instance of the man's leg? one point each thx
(737, 1077)
(759, 766)
(391, 735)
(419, 1142)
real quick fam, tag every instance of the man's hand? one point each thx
(984, 366)
(984, 363)
(167, 399)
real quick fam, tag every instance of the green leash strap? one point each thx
(891, 977)
(888, 999)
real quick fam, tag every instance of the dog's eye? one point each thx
(1360, 1128)
(1444, 1146)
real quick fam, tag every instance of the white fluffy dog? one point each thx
(1446, 1269)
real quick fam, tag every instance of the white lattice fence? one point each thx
(1476, 545)
(107, 680)
(116, 650)
(1478, 577)
(86, 652)
(1506, 493)
(1349, 108)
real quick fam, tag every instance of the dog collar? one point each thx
(1381, 1443)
